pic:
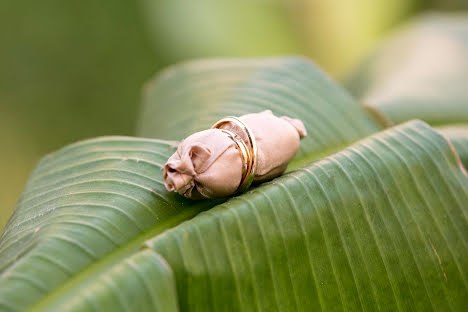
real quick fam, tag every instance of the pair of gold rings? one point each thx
(247, 149)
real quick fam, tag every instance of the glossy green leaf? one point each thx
(97, 198)
(420, 72)
(90, 205)
(324, 236)
(381, 225)
(142, 282)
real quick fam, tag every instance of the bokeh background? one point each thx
(73, 69)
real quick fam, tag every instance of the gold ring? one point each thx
(247, 150)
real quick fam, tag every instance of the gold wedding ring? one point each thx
(247, 149)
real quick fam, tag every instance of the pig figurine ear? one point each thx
(192, 159)
(297, 124)
(199, 155)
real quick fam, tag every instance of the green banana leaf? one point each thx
(419, 72)
(92, 200)
(379, 225)
(89, 205)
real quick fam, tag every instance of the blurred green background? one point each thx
(73, 69)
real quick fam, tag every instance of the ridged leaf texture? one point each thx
(80, 204)
(91, 204)
(379, 225)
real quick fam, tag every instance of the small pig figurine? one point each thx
(207, 164)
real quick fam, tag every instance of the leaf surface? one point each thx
(141, 282)
(357, 222)
(89, 206)
(381, 225)
(96, 198)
